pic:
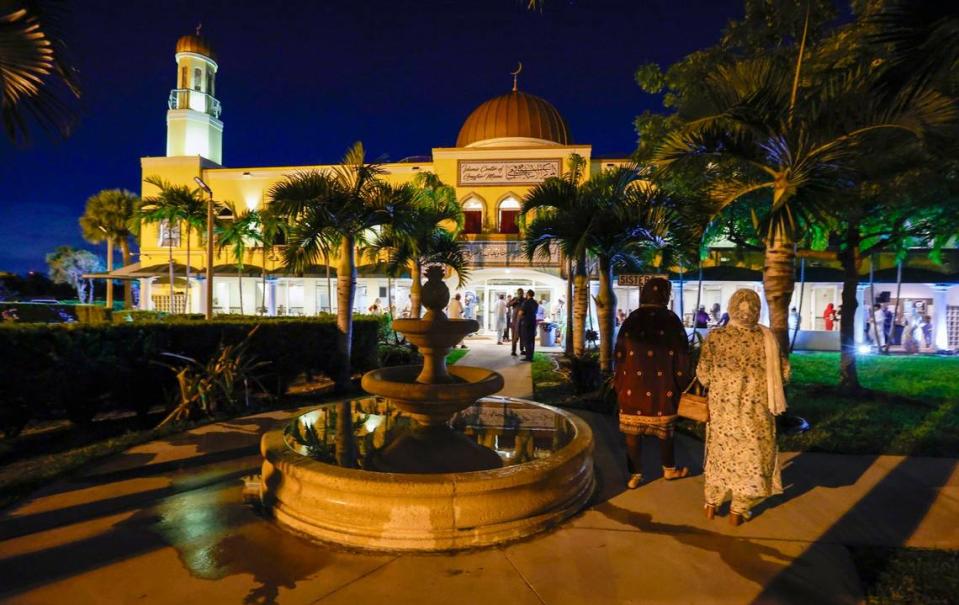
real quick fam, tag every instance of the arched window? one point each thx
(184, 78)
(473, 212)
(508, 213)
(197, 78)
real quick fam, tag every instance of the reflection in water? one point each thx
(517, 432)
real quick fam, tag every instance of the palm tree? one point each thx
(788, 141)
(165, 208)
(36, 78)
(417, 237)
(238, 234)
(338, 206)
(108, 216)
(273, 230)
(560, 212)
(177, 204)
(632, 224)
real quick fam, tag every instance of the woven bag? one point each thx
(693, 403)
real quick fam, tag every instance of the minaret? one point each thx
(193, 125)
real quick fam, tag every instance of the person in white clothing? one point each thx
(499, 317)
(879, 331)
(454, 310)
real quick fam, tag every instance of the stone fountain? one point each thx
(431, 462)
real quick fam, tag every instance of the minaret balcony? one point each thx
(186, 98)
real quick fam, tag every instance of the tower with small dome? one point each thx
(193, 116)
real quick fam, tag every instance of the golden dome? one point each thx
(194, 43)
(514, 115)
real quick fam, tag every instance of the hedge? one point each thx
(33, 312)
(77, 370)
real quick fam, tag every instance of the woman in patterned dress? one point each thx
(743, 370)
(651, 371)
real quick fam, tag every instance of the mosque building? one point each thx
(505, 147)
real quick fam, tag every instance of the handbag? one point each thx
(693, 403)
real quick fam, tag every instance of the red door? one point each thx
(473, 222)
(507, 221)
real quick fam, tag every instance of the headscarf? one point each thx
(655, 292)
(744, 308)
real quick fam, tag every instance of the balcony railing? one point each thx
(186, 98)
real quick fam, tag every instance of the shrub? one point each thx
(78, 369)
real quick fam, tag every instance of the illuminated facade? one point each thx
(506, 146)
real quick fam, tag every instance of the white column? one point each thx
(201, 289)
(146, 300)
(940, 332)
(270, 296)
(860, 318)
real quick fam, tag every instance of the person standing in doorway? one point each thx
(499, 318)
(829, 317)
(879, 331)
(527, 324)
(515, 306)
(651, 371)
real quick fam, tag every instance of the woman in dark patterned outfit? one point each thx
(652, 369)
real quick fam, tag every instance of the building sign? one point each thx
(637, 279)
(507, 172)
(504, 254)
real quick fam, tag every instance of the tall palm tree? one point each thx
(237, 235)
(341, 205)
(177, 204)
(418, 237)
(36, 77)
(165, 209)
(632, 224)
(787, 138)
(108, 217)
(560, 211)
(273, 230)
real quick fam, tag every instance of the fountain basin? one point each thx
(432, 404)
(547, 475)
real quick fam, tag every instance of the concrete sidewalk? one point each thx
(164, 522)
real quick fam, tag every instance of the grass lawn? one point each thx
(907, 575)
(455, 355)
(549, 385)
(913, 407)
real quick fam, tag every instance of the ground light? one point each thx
(864, 349)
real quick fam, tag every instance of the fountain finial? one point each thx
(435, 294)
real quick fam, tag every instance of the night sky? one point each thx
(300, 81)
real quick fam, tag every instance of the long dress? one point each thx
(741, 453)
(500, 324)
(652, 369)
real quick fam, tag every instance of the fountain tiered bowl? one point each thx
(429, 461)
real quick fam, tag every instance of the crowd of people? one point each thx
(743, 370)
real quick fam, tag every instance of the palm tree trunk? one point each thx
(569, 307)
(186, 306)
(605, 306)
(127, 284)
(329, 283)
(416, 290)
(263, 295)
(239, 280)
(851, 261)
(779, 281)
(170, 248)
(580, 306)
(345, 291)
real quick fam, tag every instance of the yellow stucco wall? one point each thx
(248, 188)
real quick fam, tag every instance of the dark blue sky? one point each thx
(300, 81)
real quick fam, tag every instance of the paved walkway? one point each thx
(164, 522)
